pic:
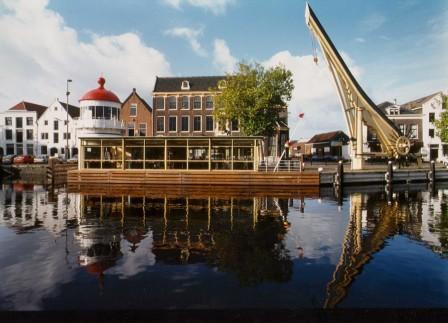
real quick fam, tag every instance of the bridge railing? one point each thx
(282, 166)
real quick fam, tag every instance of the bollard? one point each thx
(389, 176)
(432, 172)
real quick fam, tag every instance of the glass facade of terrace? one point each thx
(159, 153)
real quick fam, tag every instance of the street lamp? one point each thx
(66, 123)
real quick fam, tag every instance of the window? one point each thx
(160, 103)
(19, 149)
(115, 115)
(29, 121)
(185, 123)
(402, 129)
(55, 125)
(185, 102)
(99, 112)
(172, 104)
(107, 113)
(19, 136)
(55, 137)
(142, 129)
(65, 122)
(19, 123)
(46, 122)
(133, 110)
(185, 85)
(160, 124)
(8, 134)
(44, 135)
(9, 149)
(413, 133)
(8, 121)
(43, 150)
(209, 102)
(197, 120)
(30, 149)
(29, 134)
(222, 84)
(197, 103)
(431, 116)
(431, 133)
(209, 123)
(65, 136)
(131, 129)
(235, 125)
(172, 124)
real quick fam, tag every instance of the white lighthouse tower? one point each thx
(99, 113)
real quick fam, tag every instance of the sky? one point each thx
(396, 49)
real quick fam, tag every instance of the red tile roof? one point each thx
(28, 106)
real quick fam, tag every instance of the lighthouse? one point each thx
(99, 113)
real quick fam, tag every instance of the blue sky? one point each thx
(397, 49)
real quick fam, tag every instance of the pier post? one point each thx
(339, 176)
(432, 172)
(389, 176)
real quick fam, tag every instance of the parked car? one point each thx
(42, 159)
(23, 159)
(7, 160)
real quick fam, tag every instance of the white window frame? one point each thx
(200, 117)
(133, 105)
(160, 117)
(175, 101)
(188, 124)
(163, 105)
(127, 128)
(200, 102)
(213, 102)
(213, 123)
(416, 131)
(182, 102)
(172, 131)
(140, 129)
(185, 85)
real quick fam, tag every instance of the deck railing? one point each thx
(283, 166)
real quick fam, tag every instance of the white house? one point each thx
(19, 129)
(52, 129)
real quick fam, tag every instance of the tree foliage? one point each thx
(442, 122)
(253, 96)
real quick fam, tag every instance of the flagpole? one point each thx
(284, 151)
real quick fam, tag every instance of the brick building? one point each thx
(136, 115)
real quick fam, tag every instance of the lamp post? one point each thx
(66, 122)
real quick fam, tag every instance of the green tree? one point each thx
(254, 96)
(442, 122)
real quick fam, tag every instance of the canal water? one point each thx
(208, 249)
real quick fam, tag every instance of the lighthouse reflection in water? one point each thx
(162, 249)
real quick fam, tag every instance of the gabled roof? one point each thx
(197, 83)
(28, 106)
(384, 105)
(73, 111)
(134, 92)
(328, 136)
(403, 109)
(415, 104)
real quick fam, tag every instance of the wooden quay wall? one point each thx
(196, 177)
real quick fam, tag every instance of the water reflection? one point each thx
(266, 249)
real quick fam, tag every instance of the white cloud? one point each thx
(222, 58)
(191, 35)
(314, 94)
(360, 40)
(373, 22)
(39, 52)
(215, 6)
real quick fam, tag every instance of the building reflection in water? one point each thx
(239, 235)
(374, 218)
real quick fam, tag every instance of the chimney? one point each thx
(395, 101)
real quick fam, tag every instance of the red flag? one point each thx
(301, 115)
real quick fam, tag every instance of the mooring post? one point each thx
(432, 172)
(389, 176)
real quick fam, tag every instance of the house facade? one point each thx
(52, 130)
(329, 145)
(415, 119)
(183, 106)
(20, 129)
(136, 115)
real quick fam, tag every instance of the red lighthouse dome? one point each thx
(100, 94)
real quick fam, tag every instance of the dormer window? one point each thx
(222, 84)
(394, 111)
(185, 85)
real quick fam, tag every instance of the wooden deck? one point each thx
(179, 177)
